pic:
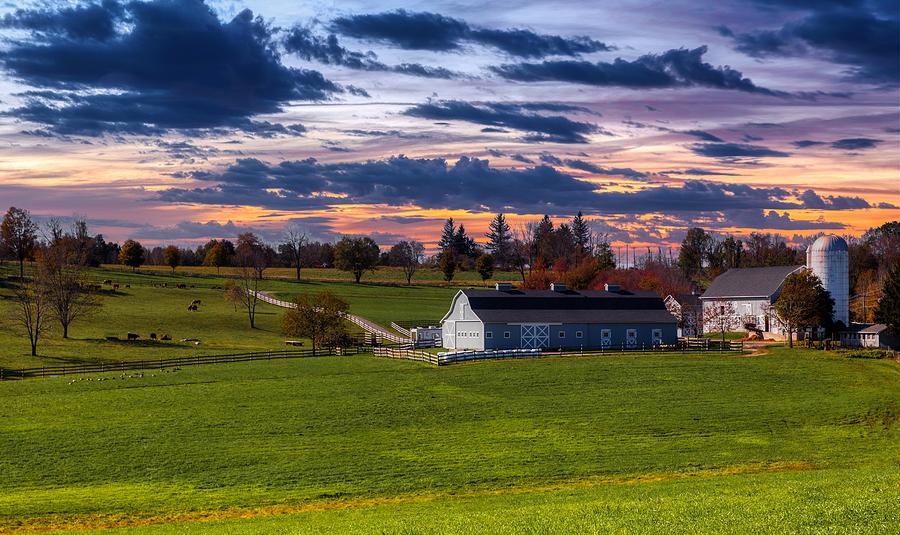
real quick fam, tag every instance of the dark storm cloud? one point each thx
(90, 21)
(626, 172)
(165, 65)
(856, 143)
(303, 43)
(432, 31)
(697, 172)
(864, 36)
(703, 135)
(555, 128)
(735, 150)
(673, 68)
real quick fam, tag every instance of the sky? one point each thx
(177, 121)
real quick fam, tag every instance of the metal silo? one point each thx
(828, 258)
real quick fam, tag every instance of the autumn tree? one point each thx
(251, 252)
(803, 303)
(19, 236)
(319, 317)
(356, 255)
(216, 256)
(131, 254)
(172, 257)
(484, 265)
(888, 310)
(447, 264)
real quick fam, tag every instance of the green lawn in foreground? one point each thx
(831, 500)
(319, 431)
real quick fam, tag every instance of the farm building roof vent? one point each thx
(612, 287)
(558, 286)
(503, 286)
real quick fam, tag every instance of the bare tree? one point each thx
(295, 239)
(719, 315)
(66, 285)
(409, 256)
(33, 310)
(244, 292)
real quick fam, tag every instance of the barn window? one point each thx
(579, 334)
(488, 334)
(562, 334)
(505, 334)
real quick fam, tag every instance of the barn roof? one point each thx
(749, 282)
(587, 306)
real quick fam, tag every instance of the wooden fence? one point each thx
(406, 353)
(157, 364)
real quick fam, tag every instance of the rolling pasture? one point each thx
(146, 306)
(794, 440)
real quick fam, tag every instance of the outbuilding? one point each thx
(510, 318)
(869, 335)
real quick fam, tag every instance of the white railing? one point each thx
(363, 323)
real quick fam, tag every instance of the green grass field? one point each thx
(146, 307)
(792, 441)
(382, 274)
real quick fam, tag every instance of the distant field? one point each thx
(382, 274)
(794, 441)
(147, 307)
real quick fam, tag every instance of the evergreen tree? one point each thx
(499, 240)
(543, 240)
(606, 259)
(888, 311)
(581, 232)
(694, 248)
(448, 234)
(464, 245)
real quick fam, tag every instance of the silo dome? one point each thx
(828, 258)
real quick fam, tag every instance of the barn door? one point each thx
(535, 336)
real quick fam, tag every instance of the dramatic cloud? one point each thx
(735, 150)
(148, 67)
(812, 200)
(865, 36)
(302, 42)
(804, 143)
(772, 220)
(554, 128)
(473, 185)
(626, 172)
(469, 184)
(856, 143)
(432, 31)
(674, 68)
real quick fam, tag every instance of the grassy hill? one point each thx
(796, 440)
(146, 306)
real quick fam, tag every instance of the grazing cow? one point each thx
(115, 287)
(192, 307)
(153, 336)
(128, 286)
(133, 336)
(181, 286)
(195, 302)
(107, 281)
